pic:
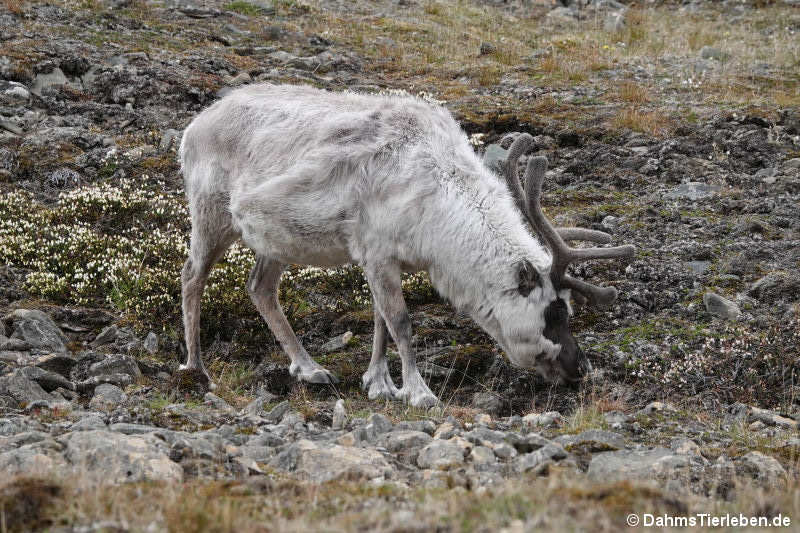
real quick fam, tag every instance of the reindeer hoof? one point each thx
(312, 374)
(378, 384)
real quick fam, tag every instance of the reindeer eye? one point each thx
(528, 278)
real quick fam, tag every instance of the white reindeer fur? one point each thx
(307, 176)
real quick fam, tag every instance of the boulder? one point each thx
(23, 390)
(107, 397)
(320, 463)
(117, 458)
(441, 455)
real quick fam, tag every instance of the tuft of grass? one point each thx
(650, 122)
(244, 8)
(633, 93)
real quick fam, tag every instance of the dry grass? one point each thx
(560, 502)
(651, 122)
(633, 93)
(14, 6)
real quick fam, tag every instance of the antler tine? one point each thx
(563, 255)
(515, 151)
(582, 234)
(596, 296)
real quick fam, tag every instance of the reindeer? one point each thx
(392, 184)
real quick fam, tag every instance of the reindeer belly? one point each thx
(309, 238)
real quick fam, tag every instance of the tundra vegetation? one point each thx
(672, 127)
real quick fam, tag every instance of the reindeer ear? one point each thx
(528, 277)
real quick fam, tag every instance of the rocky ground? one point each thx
(674, 127)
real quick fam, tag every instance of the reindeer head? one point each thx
(554, 354)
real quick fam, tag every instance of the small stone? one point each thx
(684, 446)
(693, 191)
(215, 401)
(404, 440)
(277, 413)
(107, 336)
(169, 139)
(481, 456)
(444, 431)
(488, 402)
(116, 364)
(537, 461)
(709, 52)
(656, 407)
(319, 464)
(151, 343)
(551, 418)
(793, 163)
(487, 48)
(337, 343)
(441, 455)
(765, 470)
(720, 306)
(505, 451)
(614, 22)
(88, 423)
(380, 423)
(482, 419)
(758, 425)
(107, 397)
(339, 415)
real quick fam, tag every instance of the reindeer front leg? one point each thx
(376, 380)
(384, 281)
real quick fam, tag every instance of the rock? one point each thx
(120, 380)
(403, 440)
(256, 407)
(56, 78)
(88, 423)
(539, 460)
(37, 330)
(107, 397)
(240, 79)
(656, 407)
(116, 364)
(445, 431)
(63, 177)
(551, 418)
(150, 343)
(627, 464)
(481, 457)
(13, 93)
(487, 48)
(494, 158)
(483, 419)
(58, 363)
(339, 415)
(693, 191)
(24, 391)
(132, 429)
(610, 223)
(337, 343)
(720, 306)
(684, 446)
(169, 139)
(216, 402)
(277, 413)
(484, 436)
(775, 286)
(614, 22)
(709, 52)
(380, 423)
(593, 440)
(771, 418)
(317, 463)
(117, 458)
(49, 381)
(107, 336)
(42, 459)
(487, 401)
(791, 164)
(616, 418)
(504, 451)
(441, 455)
(699, 267)
(765, 470)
